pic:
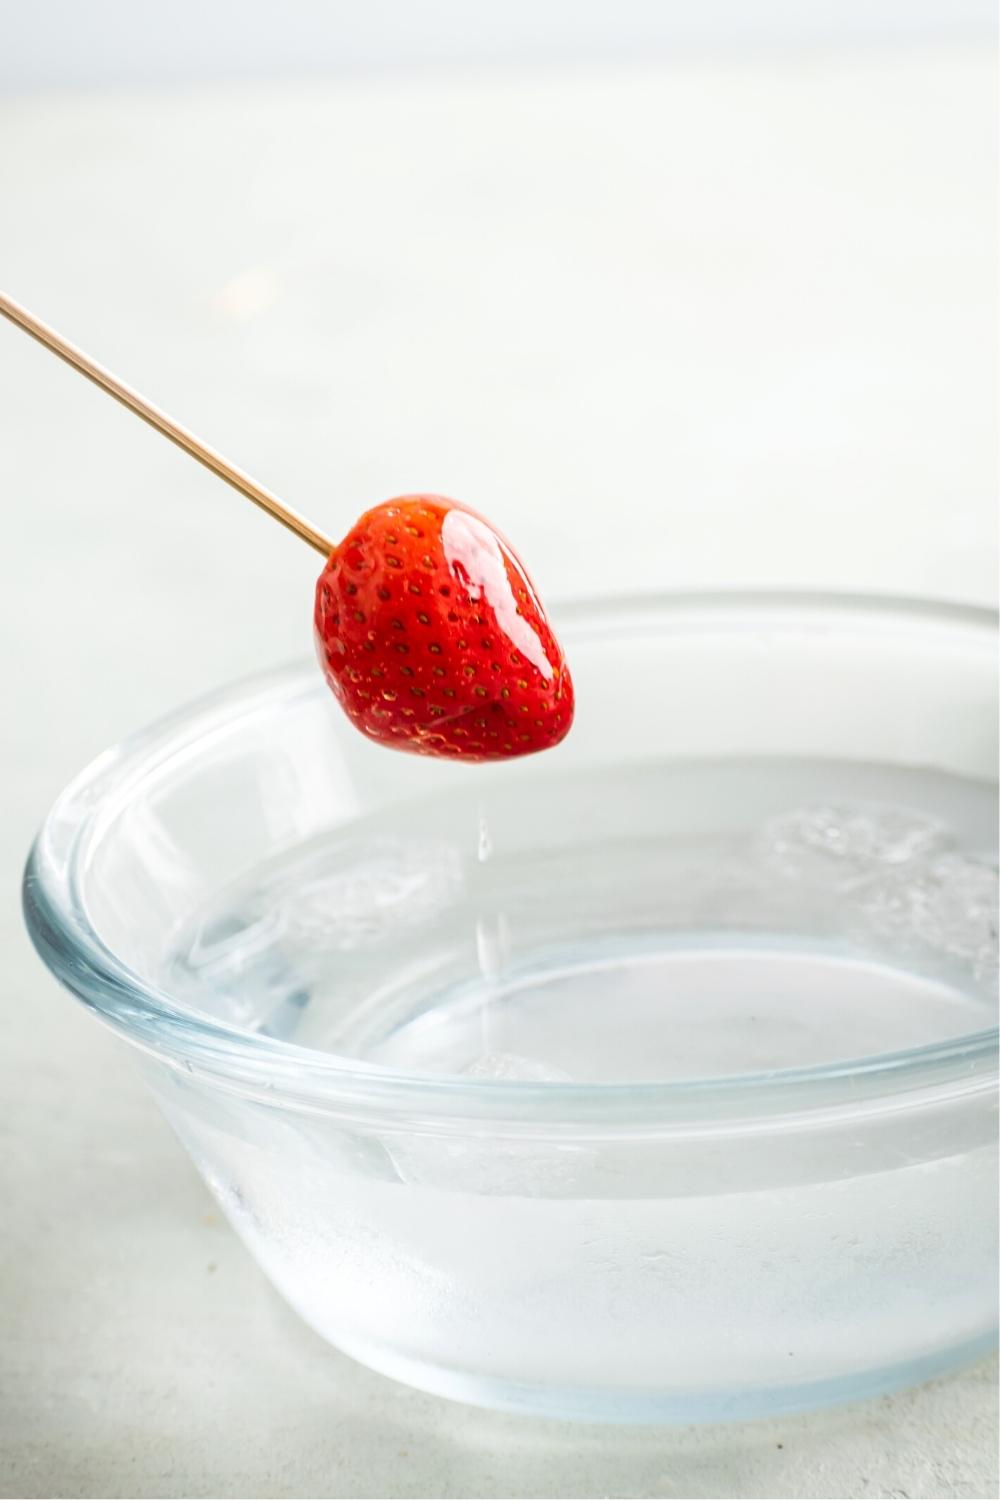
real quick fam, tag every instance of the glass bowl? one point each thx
(648, 1079)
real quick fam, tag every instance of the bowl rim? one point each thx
(286, 1073)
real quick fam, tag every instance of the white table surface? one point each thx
(692, 326)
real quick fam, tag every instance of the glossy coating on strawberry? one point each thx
(432, 637)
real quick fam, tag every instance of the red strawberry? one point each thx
(432, 637)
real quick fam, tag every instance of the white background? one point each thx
(682, 297)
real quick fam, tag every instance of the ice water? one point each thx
(674, 921)
(668, 922)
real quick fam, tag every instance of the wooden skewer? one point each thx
(169, 428)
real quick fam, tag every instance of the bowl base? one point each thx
(674, 1407)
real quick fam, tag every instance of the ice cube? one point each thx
(838, 846)
(945, 905)
(511, 1065)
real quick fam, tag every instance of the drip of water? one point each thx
(492, 956)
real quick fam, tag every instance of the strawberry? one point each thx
(432, 638)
